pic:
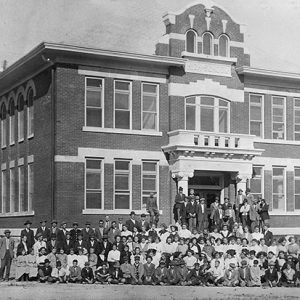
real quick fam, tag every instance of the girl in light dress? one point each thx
(63, 258)
(32, 267)
(21, 267)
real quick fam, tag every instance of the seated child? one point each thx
(244, 274)
(194, 277)
(93, 259)
(231, 276)
(172, 274)
(45, 272)
(59, 273)
(87, 275)
(215, 273)
(271, 276)
(149, 269)
(255, 274)
(127, 271)
(161, 274)
(182, 273)
(63, 258)
(102, 274)
(75, 272)
(138, 269)
(116, 274)
(32, 269)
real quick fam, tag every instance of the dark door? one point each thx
(209, 195)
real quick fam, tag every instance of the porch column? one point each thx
(183, 180)
(242, 181)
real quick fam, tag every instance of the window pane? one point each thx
(21, 189)
(297, 102)
(93, 98)
(297, 136)
(277, 111)
(297, 127)
(149, 88)
(297, 202)
(122, 202)
(207, 119)
(278, 171)
(149, 103)
(223, 46)
(122, 165)
(93, 181)
(255, 128)
(30, 186)
(278, 100)
(93, 164)
(278, 202)
(30, 120)
(94, 117)
(223, 117)
(190, 100)
(21, 124)
(190, 41)
(297, 186)
(257, 171)
(207, 44)
(121, 85)
(149, 166)
(94, 82)
(297, 172)
(149, 183)
(122, 119)
(93, 200)
(255, 186)
(190, 118)
(255, 99)
(207, 101)
(121, 101)
(223, 103)
(149, 121)
(255, 113)
(12, 205)
(122, 182)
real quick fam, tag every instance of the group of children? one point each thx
(170, 256)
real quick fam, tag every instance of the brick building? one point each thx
(88, 132)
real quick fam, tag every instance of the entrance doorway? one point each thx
(209, 195)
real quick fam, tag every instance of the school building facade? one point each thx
(88, 132)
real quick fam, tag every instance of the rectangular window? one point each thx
(278, 181)
(3, 192)
(30, 183)
(21, 125)
(22, 204)
(190, 113)
(149, 180)
(11, 129)
(122, 104)
(297, 119)
(256, 182)
(93, 188)
(278, 117)
(30, 121)
(3, 133)
(150, 106)
(207, 111)
(297, 188)
(94, 102)
(12, 207)
(256, 115)
(122, 184)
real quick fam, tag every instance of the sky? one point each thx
(272, 33)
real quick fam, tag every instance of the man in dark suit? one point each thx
(80, 244)
(105, 246)
(93, 243)
(61, 234)
(218, 216)
(74, 232)
(183, 212)
(107, 224)
(87, 232)
(194, 277)
(191, 210)
(244, 274)
(202, 218)
(132, 222)
(7, 245)
(45, 231)
(29, 233)
(100, 231)
(268, 235)
(179, 200)
(113, 232)
(68, 243)
(53, 243)
(54, 229)
(144, 223)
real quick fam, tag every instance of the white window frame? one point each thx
(30, 168)
(129, 183)
(102, 101)
(296, 108)
(284, 188)
(11, 129)
(262, 114)
(262, 179)
(216, 108)
(101, 182)
(195, 41)
(3, 190)
(284, 115)
(156, 183)
(20, 168)
(157, 107)
(211, 43)
(227, 47)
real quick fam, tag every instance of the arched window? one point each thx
(11, 112)
(207, 45)
(3, 125)
(191, 41)
(207, 113)
(223, 45)
(30, 113)
(20, 107)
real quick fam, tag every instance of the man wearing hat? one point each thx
(173, 278)
(244, 274)
(29, 233)
(54, 229)
(239, 200)
(6, 254)
(87, 232)
(113, 232)
(52, 243)
(87, 274)
(116, 274)
(100, 231)
(182, 272)
(68, 243)
(152, 209)
(44, 230)
(202, 215)
(138, 269)
(45, 272)
(62, 234)
(271, 276)
(132, 222)
(161, 274)
(74, 232)
(144, 223)
(195, 277)
(231, 276)
(80, 244)
(179, 200)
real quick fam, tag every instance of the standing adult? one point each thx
(113, 232)
(74, 232)
(249, 196)
(202, 217)
(239, 201)
(132, 222)
(268, 235)
(54, 229)
(44, 230)
(179, 200)
(29, 233)
(62, 234)
(213, 210)
(264, 212)
(144, 223)
(100, 231)
(6, 254)
(107, 223)
(183, 213)
(253, 215)
(152, 209)
(191, 211)
(87, 232)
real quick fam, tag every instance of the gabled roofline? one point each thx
(245, 70)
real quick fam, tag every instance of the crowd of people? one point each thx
(221, 246)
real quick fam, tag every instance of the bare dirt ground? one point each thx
(31, 291)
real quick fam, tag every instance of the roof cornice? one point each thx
(245, 70)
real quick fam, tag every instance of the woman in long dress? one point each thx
(21, 267)
(32, 268)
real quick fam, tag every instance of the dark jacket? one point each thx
(191, 208)
(87, 273)
(30, 237)
(45, 233)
